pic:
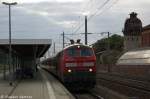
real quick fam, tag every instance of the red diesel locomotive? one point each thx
(75, 66)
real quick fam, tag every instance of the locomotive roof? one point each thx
(76, 44)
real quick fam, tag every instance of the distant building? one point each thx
(132, 32)
(146, 36)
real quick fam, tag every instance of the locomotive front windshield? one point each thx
(80, 52)
(72, 52)
(86, 52)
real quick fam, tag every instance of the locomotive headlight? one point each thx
(90, 70)
(69, 70)
(71, 64)
(88, 64)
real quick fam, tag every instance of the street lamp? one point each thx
(9, 5)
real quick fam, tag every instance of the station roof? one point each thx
(140, 56)
(27, 47)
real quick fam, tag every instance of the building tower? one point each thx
(132, 32)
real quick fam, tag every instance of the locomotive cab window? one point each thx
(83, 51)
(72, 52)
(86, 52)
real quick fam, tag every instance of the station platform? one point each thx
(43, 86)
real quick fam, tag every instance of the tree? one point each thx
(111, 56)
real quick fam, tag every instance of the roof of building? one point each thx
(147, 27)
(139, 56)
(27, 47)
(25, 41)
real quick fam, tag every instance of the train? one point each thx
(74, 66)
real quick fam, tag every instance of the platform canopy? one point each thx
(27, 47)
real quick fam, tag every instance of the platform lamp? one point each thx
(10, 49)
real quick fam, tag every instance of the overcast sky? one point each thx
(49, 18)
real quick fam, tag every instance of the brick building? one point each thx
(145, 36)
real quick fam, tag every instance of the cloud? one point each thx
(50, 19)
(39, 1)
(64, 15)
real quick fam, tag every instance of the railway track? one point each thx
(81, 94)
(87, 95)
(96, 95)
(125, 85)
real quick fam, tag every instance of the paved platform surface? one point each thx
(43, 86)
(5, 88)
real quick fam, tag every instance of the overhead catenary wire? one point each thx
(87, 5)
(78, 24)
(100, 7)
(97, 11)
(104, 9)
